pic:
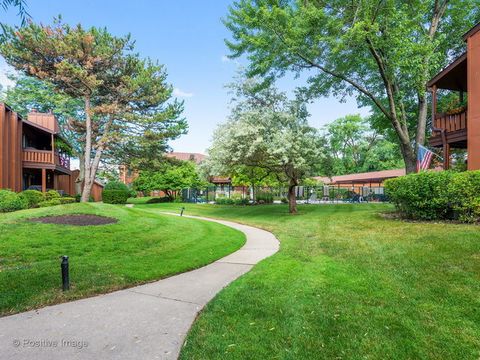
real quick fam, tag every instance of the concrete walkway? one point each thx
(144, 322)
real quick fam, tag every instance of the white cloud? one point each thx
(179, 93)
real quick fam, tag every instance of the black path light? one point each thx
(182, 210)
(65, 274)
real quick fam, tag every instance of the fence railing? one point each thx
(303, 194)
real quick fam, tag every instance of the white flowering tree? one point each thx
(267, 131)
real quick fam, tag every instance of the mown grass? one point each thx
(346, 284)
(139, 248)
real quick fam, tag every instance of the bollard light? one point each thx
(65, 274)
(181, 211)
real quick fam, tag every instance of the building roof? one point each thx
(46, 121)
(195, 157)
(362, 178)
(453, 77)
(220, 180)
(471, 32)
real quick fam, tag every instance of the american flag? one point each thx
(424, 158)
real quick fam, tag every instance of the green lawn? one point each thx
(141, 247)
(346, 284)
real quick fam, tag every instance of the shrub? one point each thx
(437, 195)
(78, 197)
(11, 201)
(284, 200)
(224, 201)
(52, 194)
(240, 201)
(158, 200)
(32, 197)
(52, 202)
(67, 200)
(115, 196)
(264, 198)
(115, 192)
(465, 195)
(116, 185)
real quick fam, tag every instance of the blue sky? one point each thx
(188, 37)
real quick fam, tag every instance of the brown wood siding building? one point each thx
(10, 149)
(459, 128)
(28, 157)
(97, 187)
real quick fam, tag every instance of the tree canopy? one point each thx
(352, 146)
(267, 131)
(383, 52)
(171, 177)
(123, 96)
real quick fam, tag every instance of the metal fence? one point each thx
(304, 194)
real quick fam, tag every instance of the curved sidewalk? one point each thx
(144, 322)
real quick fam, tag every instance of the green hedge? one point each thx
(32, 197)
(442, 195)
(67, 200)
(11, 201)
(52, 194)
(115, 196)
(264, 198)
(224, 201)
(51, 202)
(116, 185)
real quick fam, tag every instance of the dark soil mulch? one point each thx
(397, 216)
(75, 219)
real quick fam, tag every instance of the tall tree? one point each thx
(121, 93)
(355, 147)
(267, 131)
(384, 52)
(171, 177)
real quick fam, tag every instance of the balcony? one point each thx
(453, 125)
(46, 158)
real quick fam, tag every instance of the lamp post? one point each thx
(65, 273)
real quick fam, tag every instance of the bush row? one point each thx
(231, 201)
(443, 195)
(116, 192)
(264, 198)
(12, 201)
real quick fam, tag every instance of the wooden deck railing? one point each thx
(46, 157)
(451, 122)
(38, 156)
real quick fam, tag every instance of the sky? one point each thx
(187, 36)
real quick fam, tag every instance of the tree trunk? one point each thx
(253, 193)
(409, 158)
(422, 120)
(292, 199)
(87, 186)
(81, 175)
(93, 170)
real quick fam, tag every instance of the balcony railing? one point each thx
(46, 157)
(451, 122)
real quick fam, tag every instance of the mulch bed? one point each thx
(397, 216)
(75, 219)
